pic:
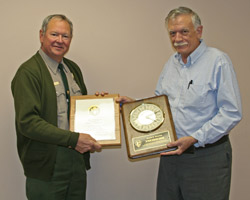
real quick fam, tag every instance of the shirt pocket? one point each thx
(75, 89)
(196, 95)
(61, 100)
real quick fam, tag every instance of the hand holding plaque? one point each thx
(148, 126)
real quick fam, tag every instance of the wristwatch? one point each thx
(146, 117)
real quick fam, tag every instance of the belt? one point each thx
(220, 141)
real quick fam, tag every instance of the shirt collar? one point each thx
(193, 57)
(52, 64)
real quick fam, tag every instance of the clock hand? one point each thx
(148, 117)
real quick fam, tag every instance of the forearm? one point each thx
(217, 127)
(36, 128)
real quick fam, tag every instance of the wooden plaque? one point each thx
(148, 126)
(98, 116)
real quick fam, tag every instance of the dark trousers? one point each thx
(68, 181)
(203, 175)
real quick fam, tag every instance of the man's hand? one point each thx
(182, 144)
(101, 93)
(124, 99)
(87, 143)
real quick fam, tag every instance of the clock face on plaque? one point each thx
(146, 117)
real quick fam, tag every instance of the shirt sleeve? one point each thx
(228, 103)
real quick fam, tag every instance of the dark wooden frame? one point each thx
(166, 129)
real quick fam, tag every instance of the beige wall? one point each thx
(121, 46)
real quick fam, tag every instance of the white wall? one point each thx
(121, 46)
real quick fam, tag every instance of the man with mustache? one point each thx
(203, 93)
(54, 159)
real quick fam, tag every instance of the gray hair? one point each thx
(184, 11)
(57, 16)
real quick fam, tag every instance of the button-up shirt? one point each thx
(62, 106)
(203, 94)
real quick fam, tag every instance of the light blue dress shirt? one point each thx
(203, 94)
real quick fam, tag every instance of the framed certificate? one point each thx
(148, 126)
(98, 116)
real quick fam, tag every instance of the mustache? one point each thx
(180, 44)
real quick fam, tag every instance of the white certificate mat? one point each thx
(96, 116)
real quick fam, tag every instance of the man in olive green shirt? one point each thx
(54, 159)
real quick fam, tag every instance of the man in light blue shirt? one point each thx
(203, 93)
(204, 97)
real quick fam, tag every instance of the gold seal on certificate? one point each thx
(98, 116)
(148, 126)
